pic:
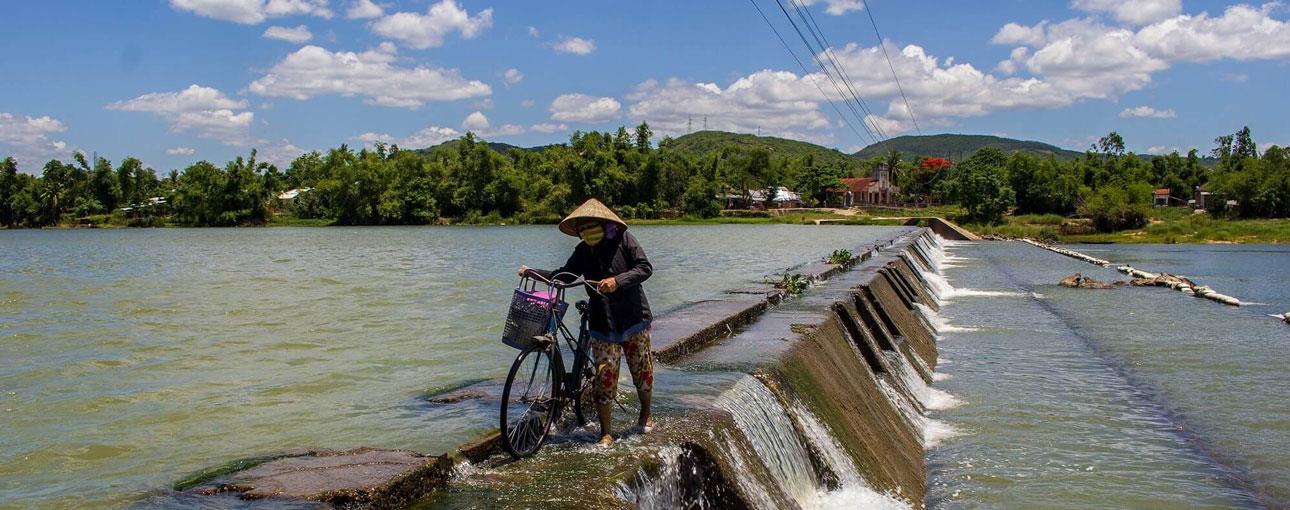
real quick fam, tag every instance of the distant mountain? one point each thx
(959, 147)
(704, 142)
(451, 145)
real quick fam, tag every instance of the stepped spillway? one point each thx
(764, 401)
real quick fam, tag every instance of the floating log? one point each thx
(1079, 281)
(1069, 253)
(1179, 283)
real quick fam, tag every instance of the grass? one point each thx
(1167, 226)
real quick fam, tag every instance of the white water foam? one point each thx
(770, 431)
(940, 376)
(940, 400)
(939, 322)
(982, 293)
(854, 491)
(936, 432)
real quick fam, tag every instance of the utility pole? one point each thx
(689, 125)
(705, 122)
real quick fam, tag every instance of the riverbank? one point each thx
(1166, 226)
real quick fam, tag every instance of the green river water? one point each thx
(130, 358)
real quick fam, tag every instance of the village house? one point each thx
(875, 190)
(783, 198)
(1160, 198)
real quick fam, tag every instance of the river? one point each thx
(1126, 398)
(129, 358)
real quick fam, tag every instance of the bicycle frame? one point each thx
(579, 346)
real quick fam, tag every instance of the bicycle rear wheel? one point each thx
(529, 402)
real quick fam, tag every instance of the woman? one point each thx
(620, 320)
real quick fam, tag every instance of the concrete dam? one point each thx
(764, 400)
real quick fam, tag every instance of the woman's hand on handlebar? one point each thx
(524, 270)
(607, 286)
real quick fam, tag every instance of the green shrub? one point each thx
(841, 257)
(1115, 207)
(794, 284)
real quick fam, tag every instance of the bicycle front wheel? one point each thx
(529, 403)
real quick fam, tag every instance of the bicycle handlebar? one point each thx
(555, 282)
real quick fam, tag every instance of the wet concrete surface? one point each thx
(745, 329)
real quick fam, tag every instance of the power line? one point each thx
(827, 49)
(806, 72)
(815, 55)
(868, 9)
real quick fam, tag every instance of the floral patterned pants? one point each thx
(640, 361)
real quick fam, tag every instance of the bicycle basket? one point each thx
(530, 315)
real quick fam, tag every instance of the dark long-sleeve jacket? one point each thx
(622, 258)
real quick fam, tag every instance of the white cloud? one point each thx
(548, 128)
(575, 45)
(427, 30)
(1136, 12)
(476, 121)
(1147, 112)
(1013, 33)
(299, 34)
(512, 76)
(313, 71)
(363, 9)
(838, 7)
(528, 103)
(504, 130)
(251, 12)
(1162, 150)
(181, 151)
(1241, 33)
(205, 110)
(29, 139)
(280, 153)
(776, 102)
(1236, 77)
(584, 108)
(1083, 58)
(533, 32)
(427, 137)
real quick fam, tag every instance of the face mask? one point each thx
(592, 235)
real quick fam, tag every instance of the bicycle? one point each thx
(538, 389)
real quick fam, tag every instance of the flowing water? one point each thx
(1125, 398)
(131, 358)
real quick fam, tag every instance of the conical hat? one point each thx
(591, 209)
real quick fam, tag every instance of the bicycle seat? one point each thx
(581, 306)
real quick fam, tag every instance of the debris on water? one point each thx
(1079, 281)
(1182, 284)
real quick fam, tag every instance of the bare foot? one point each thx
(605, 441)
(647, 426)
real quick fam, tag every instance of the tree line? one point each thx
(467, 181)
(1109, 185)
(463, 181)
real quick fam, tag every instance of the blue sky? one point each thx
(175, 81)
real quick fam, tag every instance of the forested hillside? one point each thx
(959, 147)
(703, 143)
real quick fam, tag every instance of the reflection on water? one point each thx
(130, 358)
(1135, 397)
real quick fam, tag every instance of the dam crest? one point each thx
(764, 401)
